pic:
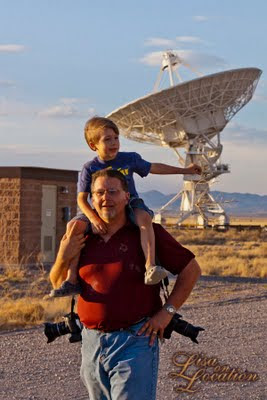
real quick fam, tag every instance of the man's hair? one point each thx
(95, 126)
(110, 173)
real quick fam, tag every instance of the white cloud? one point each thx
(200, 18)
(7, 84)
(12, 48)
(203, 60)
(170, 43)
(154, 58)
(198, 60)
(189, 39)
(6, 124)
(59, 111)
(160, 42)
(37, 149)
(15, 107)
(262, 83)
(247, 165)
(73, 100)
(68, 108)
(71, 158)
(243, 135)
(260, 98)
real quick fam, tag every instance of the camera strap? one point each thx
(164, 282)
(164, 286)
(72, 306)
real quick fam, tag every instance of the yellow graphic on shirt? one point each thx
(124, 171)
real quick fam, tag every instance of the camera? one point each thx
(71, 324)
(183, 327)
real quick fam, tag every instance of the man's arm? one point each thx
(164, 169)
(183, 286)
(69, 248)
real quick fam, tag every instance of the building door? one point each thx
(48, 230)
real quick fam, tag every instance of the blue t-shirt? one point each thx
(126, 163)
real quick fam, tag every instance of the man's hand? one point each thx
(71, 245)
(193, 169)
(155, 326)
(98, 225)
(183, 286)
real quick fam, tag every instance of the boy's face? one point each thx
(107, 146)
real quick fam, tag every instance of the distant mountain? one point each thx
(233, 203)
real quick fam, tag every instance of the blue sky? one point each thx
(63, 61)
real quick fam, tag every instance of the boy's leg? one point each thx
(77, 227)
(71, 286)
(144, 222)
(154, 273)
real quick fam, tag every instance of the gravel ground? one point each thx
(232, 310)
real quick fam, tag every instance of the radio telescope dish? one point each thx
(190, 115)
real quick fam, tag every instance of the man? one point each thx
(123, 318)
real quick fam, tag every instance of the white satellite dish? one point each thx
(191, 116)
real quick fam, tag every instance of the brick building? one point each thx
(35, 205)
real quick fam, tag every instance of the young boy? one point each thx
(102, 136)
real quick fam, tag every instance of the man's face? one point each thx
(109, 199)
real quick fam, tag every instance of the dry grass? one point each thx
(21, 297)
(234, 220)
(235, 253)
(30, 311)
(232, 253)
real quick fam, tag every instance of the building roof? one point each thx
(38, 173)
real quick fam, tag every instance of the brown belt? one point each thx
(121, 329)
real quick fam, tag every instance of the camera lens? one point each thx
(53, 331)
(183, 328)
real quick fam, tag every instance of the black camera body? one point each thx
(183, 327)
(71, 324)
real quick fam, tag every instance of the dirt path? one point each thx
(232, 312)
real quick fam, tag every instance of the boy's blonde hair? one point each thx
(95, 126)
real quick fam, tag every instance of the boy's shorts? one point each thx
(134, 202)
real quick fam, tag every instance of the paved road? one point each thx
(232, 312)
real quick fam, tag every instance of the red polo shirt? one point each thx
(112, 276)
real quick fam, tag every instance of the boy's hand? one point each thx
(193, 169)
(98, 226)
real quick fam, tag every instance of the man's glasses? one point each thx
(110, 192)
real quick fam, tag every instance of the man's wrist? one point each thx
(171, 310)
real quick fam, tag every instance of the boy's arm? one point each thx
(100, 226)
(164, 169)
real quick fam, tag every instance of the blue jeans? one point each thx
(119, 365)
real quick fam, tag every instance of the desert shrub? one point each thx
(15, 273)
(259, 267)
(31, 311)
(263, 251)
(22, 312)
